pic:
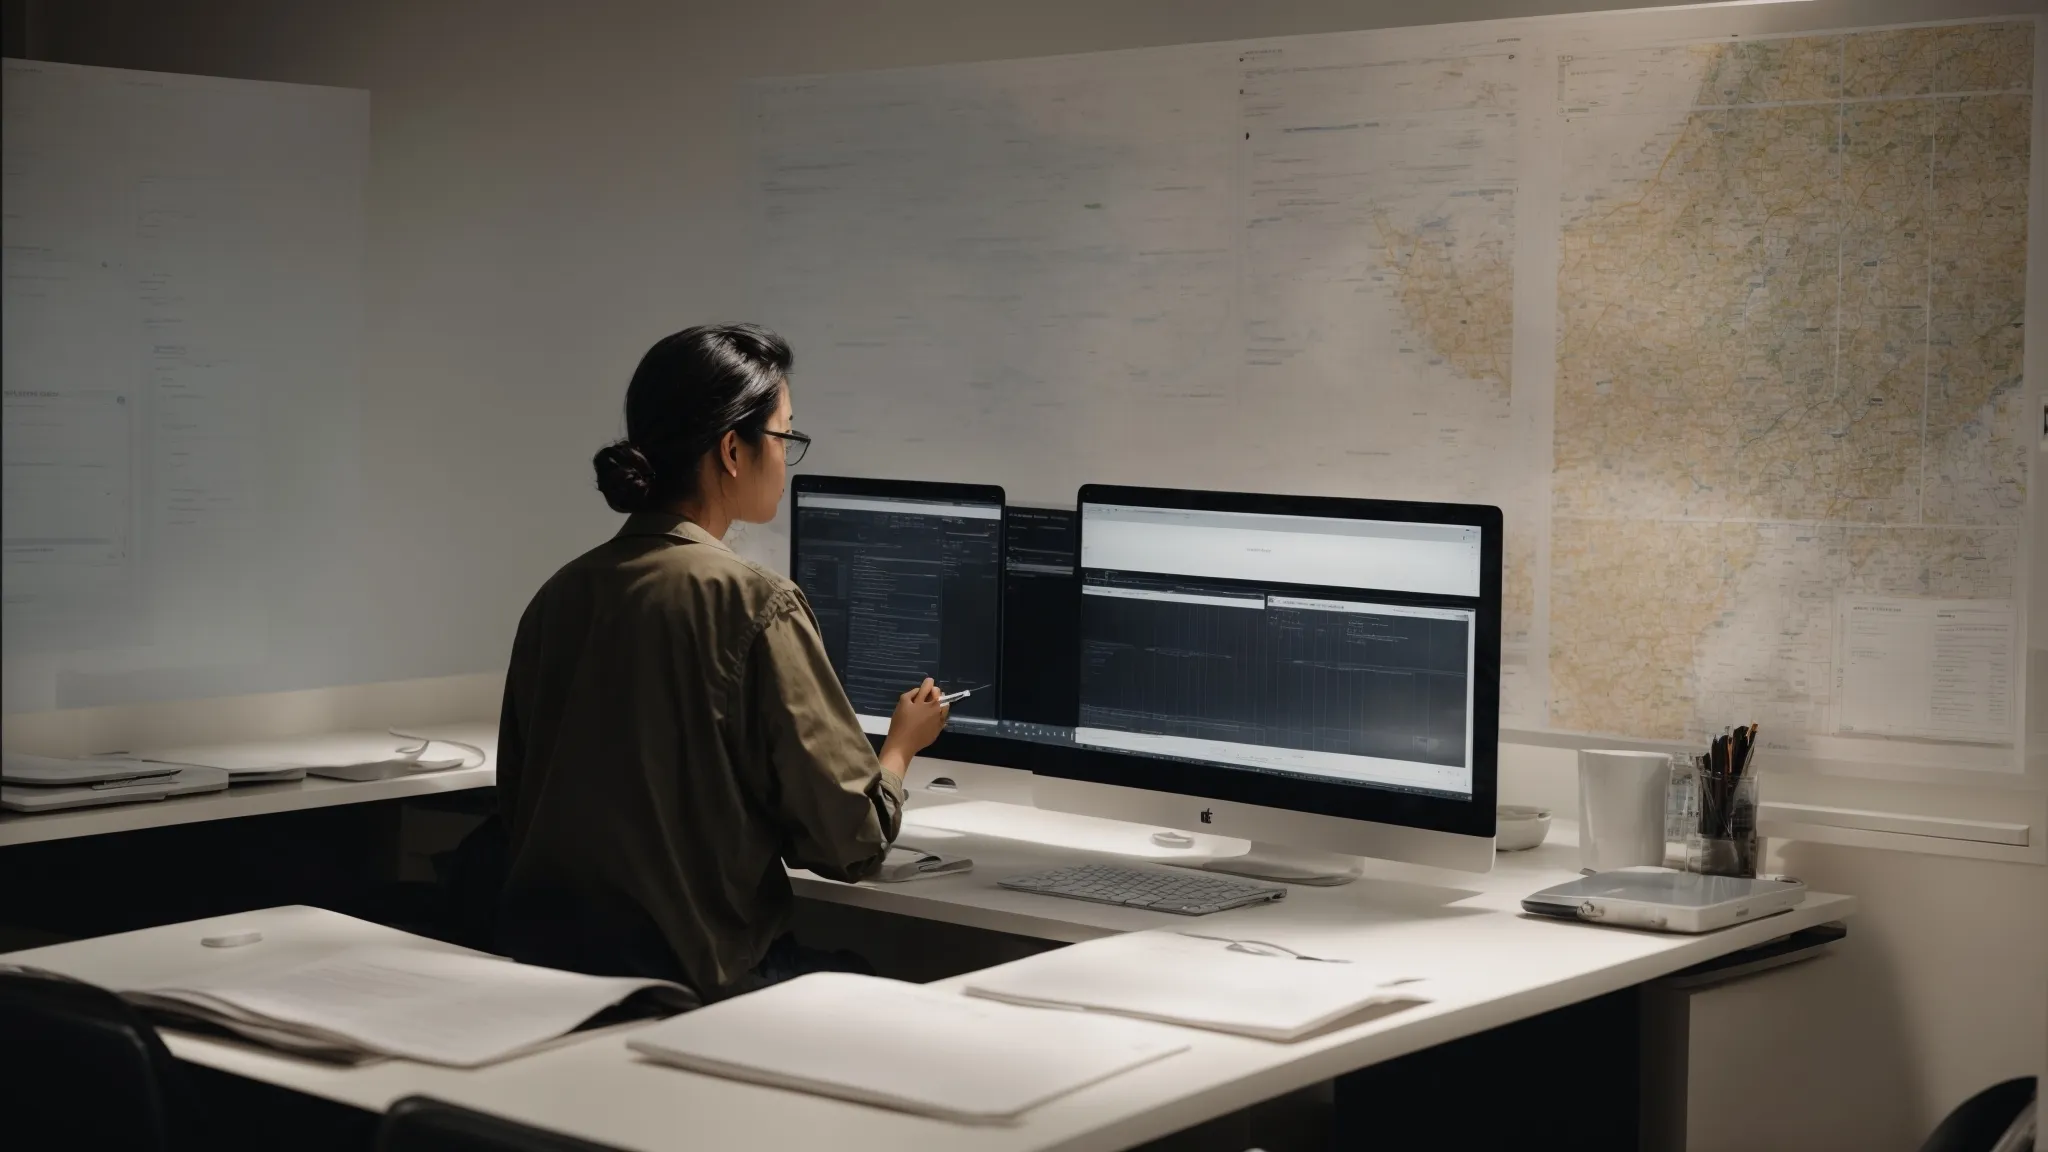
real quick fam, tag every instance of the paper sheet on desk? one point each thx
(188, 780)
(1202, 983)
(244, 763)
(904, 1046)
(64, 771)
(437, 1007)
(26, 799)
(367, 755)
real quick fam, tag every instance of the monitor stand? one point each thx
(1287, 865)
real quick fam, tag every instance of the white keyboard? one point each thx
(1160, 889)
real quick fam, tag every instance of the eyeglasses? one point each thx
(794, 445)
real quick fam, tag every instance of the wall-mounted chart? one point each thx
(1730, 326)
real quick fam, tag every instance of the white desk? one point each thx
(1006, 839)
(256, 799)
(1490, 965)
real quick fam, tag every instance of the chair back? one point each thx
(1981, 1123)
(424, 1124)
(83, 1068)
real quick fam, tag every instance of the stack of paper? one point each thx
(1252, 988)
(457, 1008)
(61, 771)
(50, 783)
(250, 764)
(971, 1061)
(355, 756)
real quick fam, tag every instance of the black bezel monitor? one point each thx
(1471, 815)
(960, 741)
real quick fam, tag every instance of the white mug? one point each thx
(1621, 808)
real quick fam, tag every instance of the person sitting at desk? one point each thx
(672, 729)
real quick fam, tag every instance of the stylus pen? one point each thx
(962, 694)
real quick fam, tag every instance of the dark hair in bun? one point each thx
(624, 476)
(689, 391)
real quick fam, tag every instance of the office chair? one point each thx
(82, 1068)
(472, 878)
(1990, 1121)
(424, 1124)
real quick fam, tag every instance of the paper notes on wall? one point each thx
(1936, 669)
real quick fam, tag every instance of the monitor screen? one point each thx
(906, 581)
(1333, 649)
(1041, 617)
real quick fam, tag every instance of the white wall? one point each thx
(555, 185)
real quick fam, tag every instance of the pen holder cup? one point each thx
(1721, 839)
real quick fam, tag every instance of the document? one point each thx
(57, 771)
(1935, 669)
(48, 799)
(970, 1061)
(362, 755)
(56, 794)
(1250, 987)
(453, 1008)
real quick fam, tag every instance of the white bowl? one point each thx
(1518, 827)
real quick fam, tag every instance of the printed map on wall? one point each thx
(1790, 291)
(1731, 330)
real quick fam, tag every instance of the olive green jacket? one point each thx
(672, 734)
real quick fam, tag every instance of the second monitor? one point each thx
(906, 579)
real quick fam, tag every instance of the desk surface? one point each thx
(1007, 839)
(255, 799)
(1490, 965)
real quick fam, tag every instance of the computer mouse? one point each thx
(943, 784)
(231, 939)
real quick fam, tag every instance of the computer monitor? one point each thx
(906, 581)
(1307, 673)
(856, 550)
(1041, 620)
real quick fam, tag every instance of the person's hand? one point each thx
(915, 724)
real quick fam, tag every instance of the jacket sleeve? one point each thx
(838, 810)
